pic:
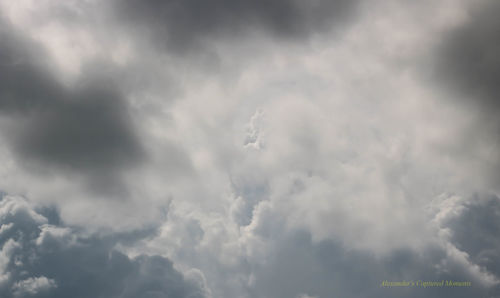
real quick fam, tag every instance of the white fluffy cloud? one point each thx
(33, 286)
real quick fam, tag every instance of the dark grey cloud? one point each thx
(469, 58)
(476, 232)
(85, 129)
(39, 259)
(184, 25)
(466, 65)
(328, 269)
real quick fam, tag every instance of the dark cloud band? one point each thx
(182, 25)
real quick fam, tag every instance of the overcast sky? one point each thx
(249, 149)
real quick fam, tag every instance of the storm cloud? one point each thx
(84, 129)
(475, 229)
(469, 59)
(185, 25)
(327, 269)
(40, 257)
(466, 65)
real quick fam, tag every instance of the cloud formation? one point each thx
(41, 259)
(85, 129)
(185, 25)
(469, 58)
(262, 148)
(466, 65)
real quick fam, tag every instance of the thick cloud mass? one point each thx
(279, 149)
(467, 64)
(327, 269)
(40, 259)
(181, 25)
(84, 129)
(475, 232)
(470, 56)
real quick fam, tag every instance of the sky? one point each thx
(249, 149)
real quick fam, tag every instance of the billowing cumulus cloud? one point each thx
(256, 148)
(473, 232)
(270, 260)
(43, 259)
